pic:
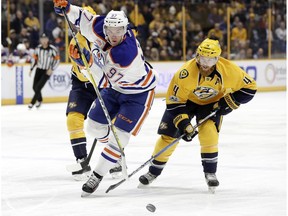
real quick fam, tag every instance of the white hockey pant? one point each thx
(111, 153)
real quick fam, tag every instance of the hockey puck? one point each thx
(150, 207)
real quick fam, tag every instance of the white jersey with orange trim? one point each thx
(123, 65)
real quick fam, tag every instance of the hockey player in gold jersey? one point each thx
(80, 100)
(203, 84)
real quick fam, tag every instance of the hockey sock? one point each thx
(209, 162)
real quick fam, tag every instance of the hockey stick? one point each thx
(79, 166)
(112, 187)
(111, 125)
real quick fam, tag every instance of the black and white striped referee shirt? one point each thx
(46, 58)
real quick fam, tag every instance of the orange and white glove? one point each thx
(76, 57)
(59, 5)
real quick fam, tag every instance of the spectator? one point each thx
(216, 32)
(18, 23)
(239, 33)
(189, 54)
(156, 24)
(163, 55)
(156, 42)
(171, 17)
(50, 25)
(259, 54)
(13, 40)
(249, 53)
(154, 56)
(214, 16)
(24, 34)
(241, 54)
(280, 34)
(142, 27)
(32, 21)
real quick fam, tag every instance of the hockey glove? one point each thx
(182, 122)
(76, 57)
(226, 104)
(59, 5)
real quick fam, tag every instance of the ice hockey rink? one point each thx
(251, 169)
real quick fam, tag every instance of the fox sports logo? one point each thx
(60, 81)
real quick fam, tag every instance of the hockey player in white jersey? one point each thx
(129, 91)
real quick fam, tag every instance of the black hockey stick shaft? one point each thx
(112, 187)
(80, 166)
(86, 162)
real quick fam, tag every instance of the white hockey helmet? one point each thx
(21, 47)
(116, 19)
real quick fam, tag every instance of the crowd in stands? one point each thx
(159, 25)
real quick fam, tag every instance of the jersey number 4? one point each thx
(247, 80)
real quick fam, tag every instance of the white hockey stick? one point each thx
(111, 125)
(112, 187)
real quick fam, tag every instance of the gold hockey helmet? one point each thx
(209, 48)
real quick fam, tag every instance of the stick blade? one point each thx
(112, 187)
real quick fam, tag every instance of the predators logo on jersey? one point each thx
(72, 105)
(208, 87)
(163, 125)
(183, 74)
(204, 93)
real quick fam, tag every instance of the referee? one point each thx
(46, 59)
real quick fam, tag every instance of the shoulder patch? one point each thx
(183, 74)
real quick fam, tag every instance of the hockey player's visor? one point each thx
(114, 31)
(207, 61)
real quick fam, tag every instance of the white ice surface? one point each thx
(251, 169)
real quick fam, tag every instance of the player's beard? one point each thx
(205, 71)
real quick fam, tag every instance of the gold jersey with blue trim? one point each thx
(227, 77)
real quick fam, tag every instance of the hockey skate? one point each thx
(91, 185)
(146, 179)
(82, 174)
(38, 104)
(211, 181)
(116, 172)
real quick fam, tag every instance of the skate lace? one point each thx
(150, 177)
(93, 181)
(210, 176)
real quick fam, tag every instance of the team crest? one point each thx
(205, 93)
(183, 74)
(72, 105)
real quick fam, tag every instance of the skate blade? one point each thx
(85, 194)
(212, 190)
(116, 175)
(142, 186)
(81, 177)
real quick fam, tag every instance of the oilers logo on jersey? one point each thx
(98, 57)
